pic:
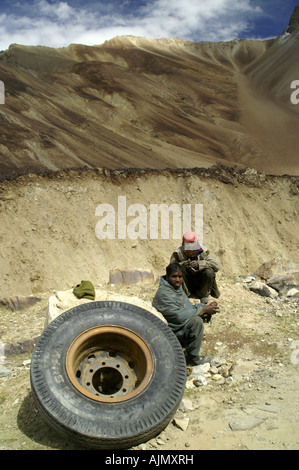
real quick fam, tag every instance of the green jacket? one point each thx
(174, 305)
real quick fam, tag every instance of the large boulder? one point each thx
(274, 267)
(129, 276)
(262, 289)
(284, 282)
(19, 302)
(64, 300)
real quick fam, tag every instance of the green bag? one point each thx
(85, 290)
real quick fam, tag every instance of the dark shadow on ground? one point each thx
(33, 425)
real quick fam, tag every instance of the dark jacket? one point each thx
(174, 305)
(205, 260)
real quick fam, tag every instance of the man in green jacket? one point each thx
(184, 318)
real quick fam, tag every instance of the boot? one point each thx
(198, 360)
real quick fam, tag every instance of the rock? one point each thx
(130, 276)
(245, 423)
(224, 371)
(285, 282)
(4, 371)
(269, 269)
(251, 409)
(198, 375)
(293, 293)
(191, 384)
(269, 408)
(200, 370)
(217, 377)
(263, 290)
(230, 380)
(218, 361)
(20, 347)
(181, 423)
(19, 302)
(64, 300)
(200, 381)
(250, 278)
(186, 405)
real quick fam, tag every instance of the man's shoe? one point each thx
(198, 360)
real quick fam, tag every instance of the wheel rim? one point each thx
(109, 363)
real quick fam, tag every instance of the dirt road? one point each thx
(257, 407)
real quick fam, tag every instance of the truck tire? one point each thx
(108, 375)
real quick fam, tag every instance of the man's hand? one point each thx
(211, 308)
(192, 264)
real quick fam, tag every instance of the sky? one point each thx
(56, 23)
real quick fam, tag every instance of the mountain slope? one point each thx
(136, 102)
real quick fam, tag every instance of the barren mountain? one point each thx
(136, 102)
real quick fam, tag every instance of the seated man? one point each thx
(185, 319)
(199, 268)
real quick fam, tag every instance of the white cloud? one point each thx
(59, 24)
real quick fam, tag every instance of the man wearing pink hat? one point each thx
(199, 268)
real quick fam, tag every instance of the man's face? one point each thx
(175, 279)
(192, 253)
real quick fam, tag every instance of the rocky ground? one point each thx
(247, 398)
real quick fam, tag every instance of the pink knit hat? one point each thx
(189, 237)
(190, 242)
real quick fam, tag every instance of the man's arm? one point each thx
(209, 261)
(177, 258)
(175, 312)
(210, 308)
(203, 262)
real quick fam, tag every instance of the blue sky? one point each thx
(57, 23)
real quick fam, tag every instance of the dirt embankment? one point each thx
(48, 223)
